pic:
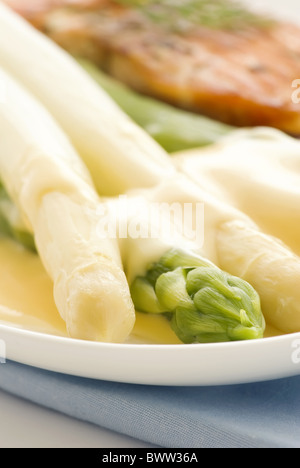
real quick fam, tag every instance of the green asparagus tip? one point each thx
(204, 304)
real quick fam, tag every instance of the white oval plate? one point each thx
(175, 365)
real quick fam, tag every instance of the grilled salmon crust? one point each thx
(242, 76)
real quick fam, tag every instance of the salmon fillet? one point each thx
(241, 75)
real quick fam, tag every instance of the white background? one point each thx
(23, 424)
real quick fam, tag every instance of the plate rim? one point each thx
(268, 358)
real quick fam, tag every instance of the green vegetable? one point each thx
(203, 303)
(174, 129)
(10, 223)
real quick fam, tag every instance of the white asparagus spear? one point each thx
(269, 266)
(234, 243)
(53, 190)
(106, 138)
(168, 275)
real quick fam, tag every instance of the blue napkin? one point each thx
(258, 415)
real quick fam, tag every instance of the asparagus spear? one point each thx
(169, 275)
(174, 129)
(234, 243)
(57, 200)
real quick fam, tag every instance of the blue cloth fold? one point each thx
(258, 415)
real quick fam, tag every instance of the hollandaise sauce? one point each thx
(26, 299)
